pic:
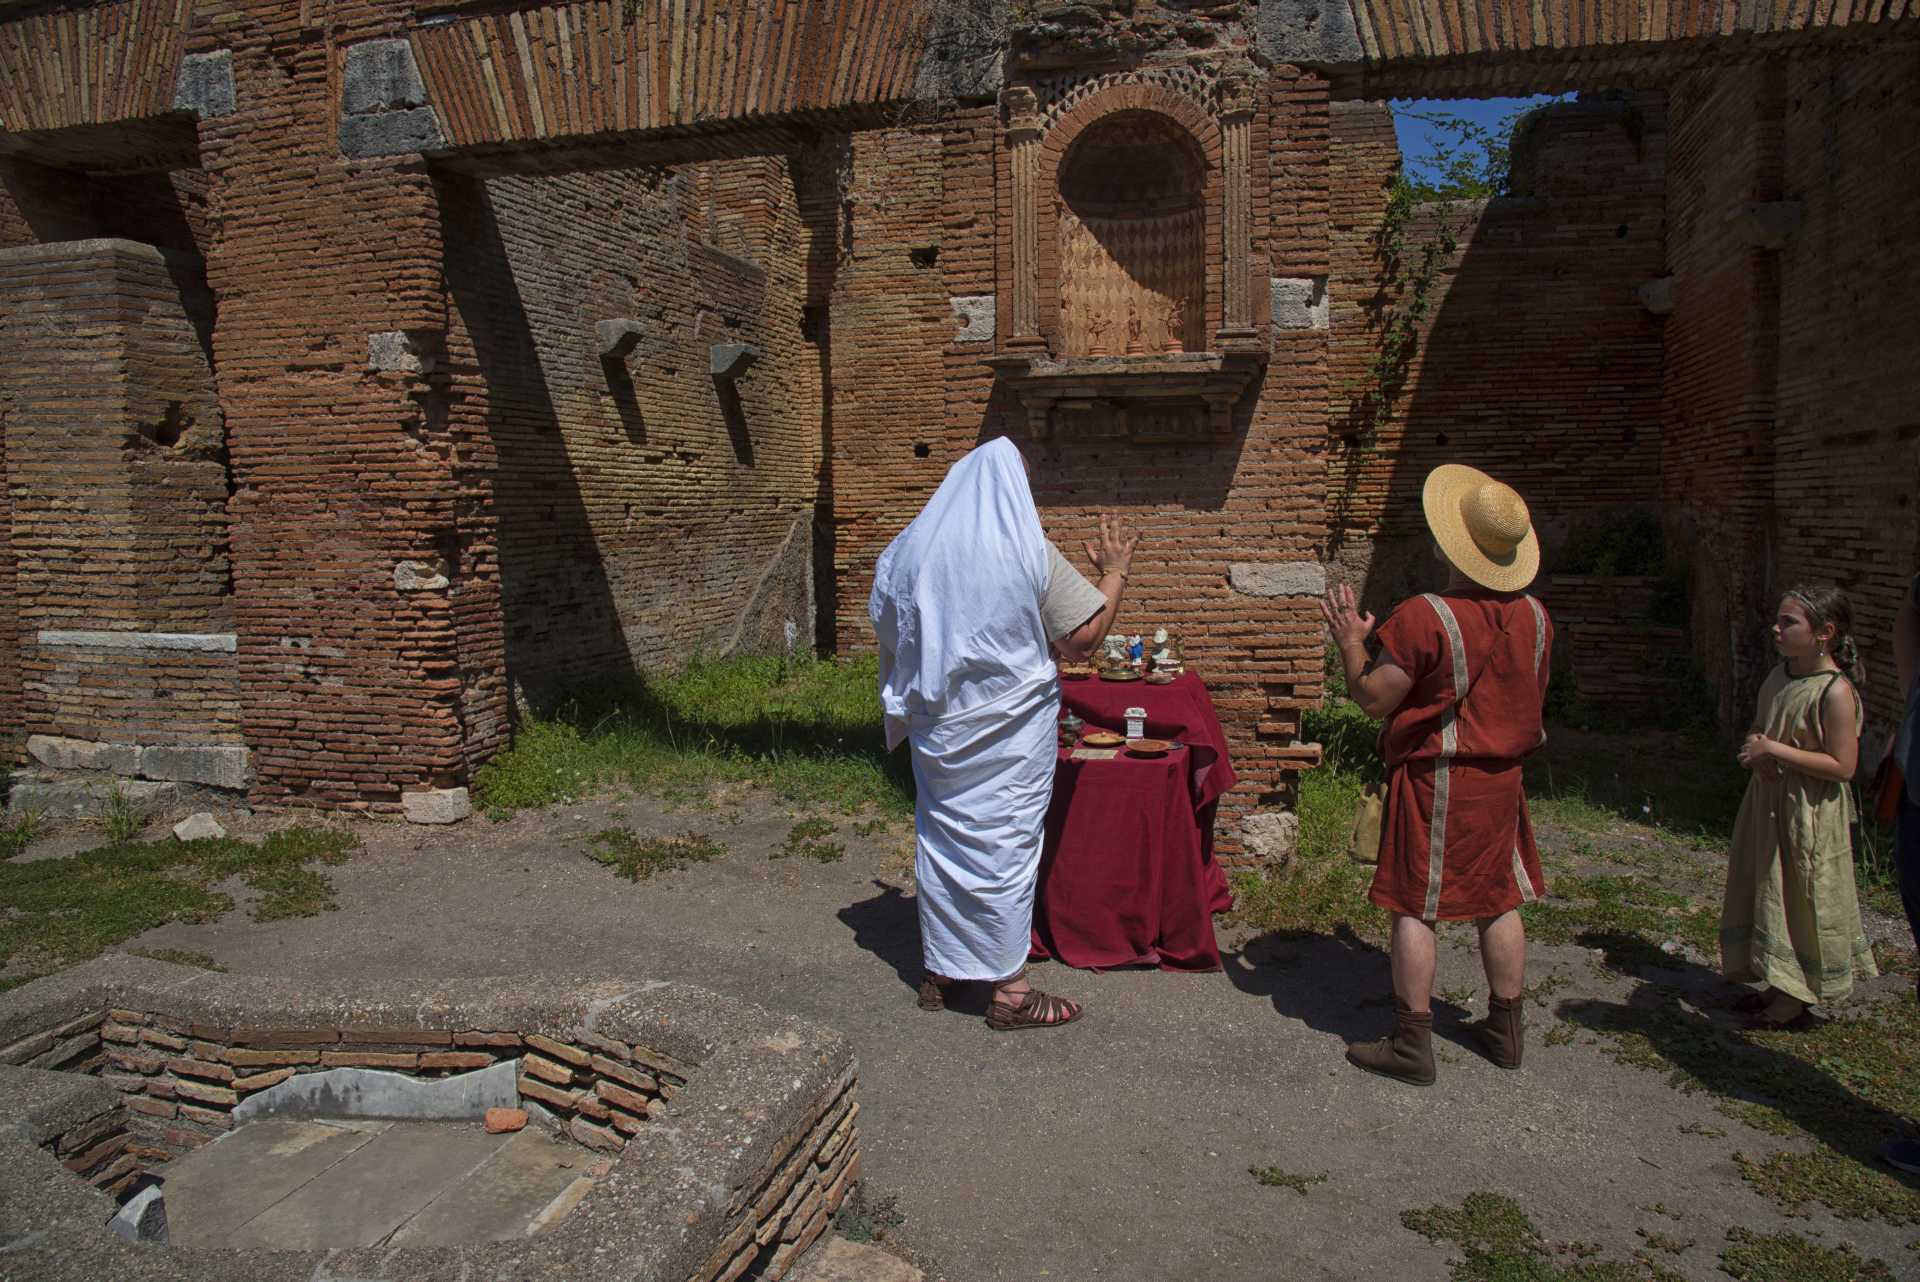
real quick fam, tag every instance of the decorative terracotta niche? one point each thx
(1132, 220)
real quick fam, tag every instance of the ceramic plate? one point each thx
(1102, 739)
(1149, 747)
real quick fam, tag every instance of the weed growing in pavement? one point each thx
(864, 1218)
(180, 957)
(1498, 1243)
(58, 912)
(637, 858)
(1275, 1177)
(20, 831)
(1788, 1257)
(808, 839)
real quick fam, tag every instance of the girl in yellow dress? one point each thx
(1791, 919)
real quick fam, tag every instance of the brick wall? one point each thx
(351, 684)
(1847, 444)
(1721, 346)
(643, 511)
(118, 490)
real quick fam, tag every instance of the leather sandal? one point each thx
(933, 992)
(1753, 1003)
(1035, 1009)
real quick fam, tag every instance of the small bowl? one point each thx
(1148, 747)
(1102, 739)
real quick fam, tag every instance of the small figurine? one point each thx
(1135, 347)
(1136, 651)
(1116, 655)
(1096, 342)
(1166, 655)
(1176, 325)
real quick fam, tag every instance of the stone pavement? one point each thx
(309, 1185)
(1117, 1148)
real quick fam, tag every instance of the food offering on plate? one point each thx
(1102, 739)
(1075, 671)
(1149, 747)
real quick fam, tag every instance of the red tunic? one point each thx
(1456, 842)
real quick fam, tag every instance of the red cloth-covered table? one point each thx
(1128, 876)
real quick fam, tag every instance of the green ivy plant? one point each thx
(1464, 161)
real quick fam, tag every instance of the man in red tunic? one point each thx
(1460, 678)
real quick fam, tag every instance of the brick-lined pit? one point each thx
(718, 1096)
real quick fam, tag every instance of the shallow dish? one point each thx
(1075, 671)
(1149, 747)
(1119, 674)
(1161, 678)
(1102, 739)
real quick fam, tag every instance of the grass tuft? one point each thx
(181, 957)
(637, 858)
(20, 831)
(1498, 1243)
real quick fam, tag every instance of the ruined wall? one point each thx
(1537, 364)
(117, 484)
(1846, 451)
(644, 510)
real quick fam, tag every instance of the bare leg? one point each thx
(1503, 953)
(1413, 963)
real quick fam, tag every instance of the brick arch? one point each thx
(1193, 119)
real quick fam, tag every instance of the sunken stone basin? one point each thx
(712, 1139)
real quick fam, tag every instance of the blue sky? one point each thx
(1416, 135)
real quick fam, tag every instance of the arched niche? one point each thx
(1130, 217)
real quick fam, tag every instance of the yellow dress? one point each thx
(1792, 916)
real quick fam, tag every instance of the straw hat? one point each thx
(1482, 527)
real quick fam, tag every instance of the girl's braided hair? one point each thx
(1824, 604)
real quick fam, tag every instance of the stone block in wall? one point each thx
(381, 75)
(1270, 836)
(974, 313)
(420, 576)
(59, 753)
(436, 806)
(383, 102)
(1656, 295)
(729, 361)
(617, 337)
(1278, 578)
(406, 351)
(91, 799)
(1300, 302)
(1309, 32)
(205, 85)
(216, 765)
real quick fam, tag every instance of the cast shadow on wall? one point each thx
(1538, 365)
(561, 626)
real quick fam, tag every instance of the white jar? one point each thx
(1136, 723)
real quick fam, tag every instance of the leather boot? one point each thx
(1406, 1056)
(1502, 1034)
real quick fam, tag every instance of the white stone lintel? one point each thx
(142, 642)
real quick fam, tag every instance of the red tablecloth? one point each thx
(1128, 876)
